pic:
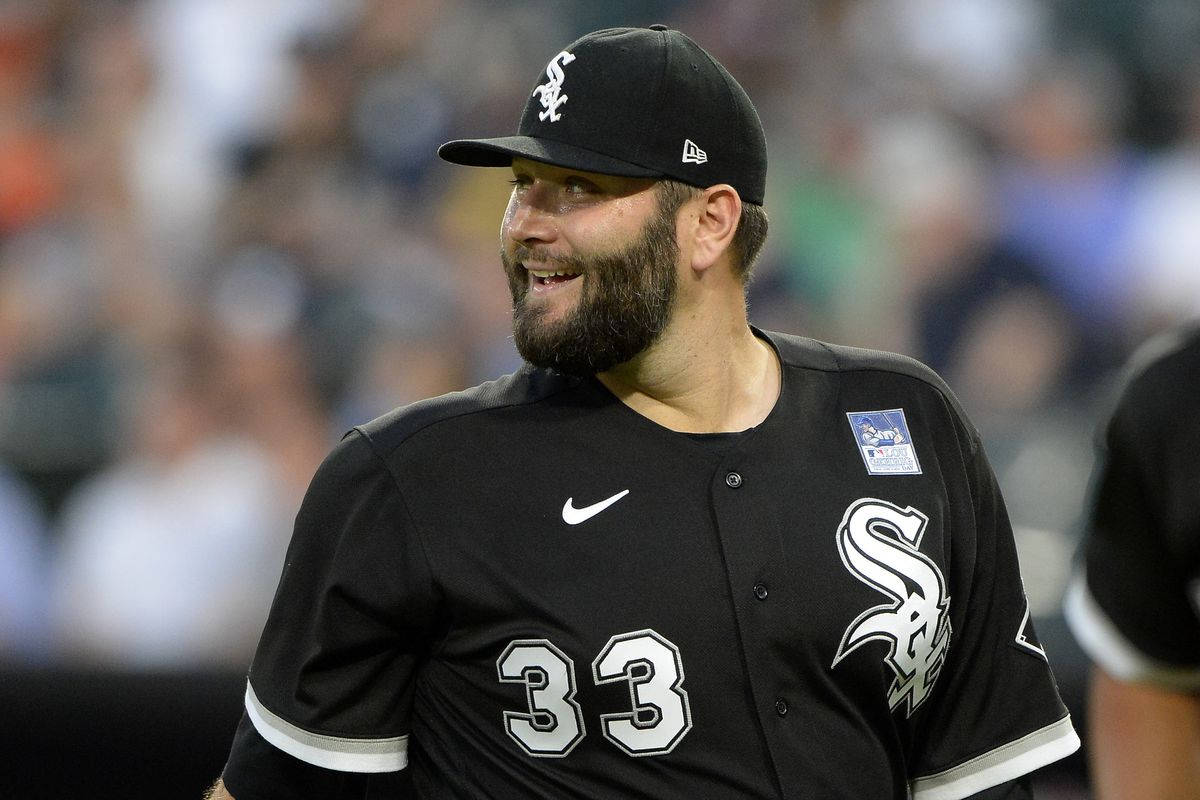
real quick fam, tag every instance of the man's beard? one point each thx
(624, 305)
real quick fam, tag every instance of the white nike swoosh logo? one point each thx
(573, 516)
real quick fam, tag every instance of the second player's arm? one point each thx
(1144, 740)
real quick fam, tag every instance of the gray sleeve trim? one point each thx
(1005, 763)
(331, 752)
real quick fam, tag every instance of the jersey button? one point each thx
(733, 480)
(760, 591)
(781, 707)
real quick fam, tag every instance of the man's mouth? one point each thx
(545, 279)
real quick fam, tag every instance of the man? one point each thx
(1135, 604)
(653, 563)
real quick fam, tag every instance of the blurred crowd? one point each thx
(225, 238)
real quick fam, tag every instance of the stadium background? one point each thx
(225, 237)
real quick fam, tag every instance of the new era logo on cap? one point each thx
(693, 154)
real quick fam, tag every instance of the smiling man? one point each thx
(657, 561)
(581, 304)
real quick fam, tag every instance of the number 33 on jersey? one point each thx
(659, 717)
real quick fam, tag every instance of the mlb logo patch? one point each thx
(884, 442)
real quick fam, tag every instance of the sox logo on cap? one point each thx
(549, 93)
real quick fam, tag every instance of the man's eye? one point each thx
(576, 186)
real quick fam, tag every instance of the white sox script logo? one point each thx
(550, 92)
(878, 542)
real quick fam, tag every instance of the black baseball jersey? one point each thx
(1135, 603)
(529, 590)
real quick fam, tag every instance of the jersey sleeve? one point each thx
(331, 684)
(257, 770)
(1131, 605)
(996, 713)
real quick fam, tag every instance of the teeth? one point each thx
(541, 273)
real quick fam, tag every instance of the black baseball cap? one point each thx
(638, 102)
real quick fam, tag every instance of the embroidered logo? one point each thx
(884, 441)
(692, 154)
(573, 516)
(550, 92)
(879, 544)
(1027, 637)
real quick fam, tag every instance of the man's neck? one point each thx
(701, 376)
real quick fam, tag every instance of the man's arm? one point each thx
(218, 792)
(361, 628)
(1145, 741)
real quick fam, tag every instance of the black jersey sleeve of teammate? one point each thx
(331, 685)
(1134, 605)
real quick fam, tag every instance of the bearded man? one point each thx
(655, 562)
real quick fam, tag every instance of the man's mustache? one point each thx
(523, 253)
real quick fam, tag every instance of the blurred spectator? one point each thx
(177, 545)
(984, 315)
(30, 183)
(223, 79)
(826, 223)
(1067, 191)
(74, 278)
(1164, 248)
(968, 55)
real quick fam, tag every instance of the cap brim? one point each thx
(500, 152)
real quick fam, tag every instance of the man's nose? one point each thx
(530, 217)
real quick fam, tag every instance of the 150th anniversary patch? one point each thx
(884, 442)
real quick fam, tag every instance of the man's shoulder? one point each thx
(1158, 392)
(1165, 367)
(524, 387)
(892, 377)
(805, 353)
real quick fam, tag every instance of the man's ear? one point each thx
(720, 209)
